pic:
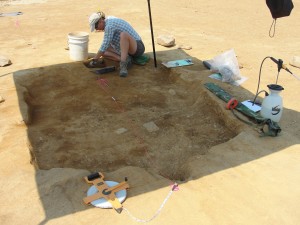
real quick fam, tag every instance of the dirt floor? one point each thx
(103, 127)
(61, 122)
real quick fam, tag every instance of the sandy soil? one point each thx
(59, 124)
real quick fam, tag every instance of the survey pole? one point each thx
(153, 46)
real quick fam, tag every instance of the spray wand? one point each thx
(280, 66)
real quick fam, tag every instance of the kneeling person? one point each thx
(120, 43)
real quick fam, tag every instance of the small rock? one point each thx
(186, 47)
(121, 130)
(151, 126)
(4, 61)
(172, 92)
(295, 61)
(1, 99)
(166, 40)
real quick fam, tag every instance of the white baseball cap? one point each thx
(94, 18)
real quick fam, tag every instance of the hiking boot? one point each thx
(124, 66)
(129, 61)
(123, 69)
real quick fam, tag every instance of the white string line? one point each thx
(157, 212)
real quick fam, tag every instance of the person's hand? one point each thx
(93, 62)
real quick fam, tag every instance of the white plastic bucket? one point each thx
(78, 45)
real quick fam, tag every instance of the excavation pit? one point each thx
(151, 119)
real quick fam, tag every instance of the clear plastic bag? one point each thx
(227, 65)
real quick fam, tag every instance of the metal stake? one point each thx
(150, 17)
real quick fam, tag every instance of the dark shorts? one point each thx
(140, 49)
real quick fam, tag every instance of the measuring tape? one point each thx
(174, 188)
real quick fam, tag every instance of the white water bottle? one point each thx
(272, 107)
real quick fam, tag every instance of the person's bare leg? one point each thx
(128, 45)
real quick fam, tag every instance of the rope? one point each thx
(174, 188)
(271, 35)
(239, 118)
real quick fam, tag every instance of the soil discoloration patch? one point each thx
(75, 116)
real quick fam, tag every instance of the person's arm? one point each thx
(98, 55)
(108, 35)
(104, 45)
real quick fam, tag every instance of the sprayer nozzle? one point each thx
(275, 60)
(284, 67)
(280, 64)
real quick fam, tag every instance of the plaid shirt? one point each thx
(113, 28)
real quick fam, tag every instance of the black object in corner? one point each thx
(280, 8)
